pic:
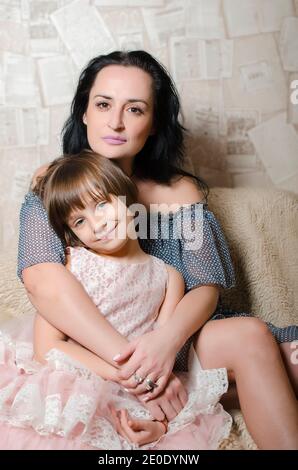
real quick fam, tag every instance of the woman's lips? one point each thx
(114, 140)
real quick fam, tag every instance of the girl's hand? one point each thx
(169, 403)
(150, 357)
(138, 431)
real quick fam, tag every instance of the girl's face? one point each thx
(103, 226)
(119, 115)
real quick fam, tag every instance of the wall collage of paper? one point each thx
(233, 62)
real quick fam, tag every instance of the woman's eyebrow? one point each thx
(130, 100)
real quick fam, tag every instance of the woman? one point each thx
(126, 108)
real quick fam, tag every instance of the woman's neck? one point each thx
(126, 165)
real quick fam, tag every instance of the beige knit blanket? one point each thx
(261, 227)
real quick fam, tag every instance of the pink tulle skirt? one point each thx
(62, 405)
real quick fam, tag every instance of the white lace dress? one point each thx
(63, 405)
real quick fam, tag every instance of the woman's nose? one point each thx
(116, 120)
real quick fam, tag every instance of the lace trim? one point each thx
(86, 415)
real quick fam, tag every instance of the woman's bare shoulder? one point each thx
(187, 190)
(182, 190)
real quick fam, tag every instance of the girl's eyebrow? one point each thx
(72, 218)
(130, 100)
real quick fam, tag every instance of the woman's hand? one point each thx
(149, 359)
(170, 401)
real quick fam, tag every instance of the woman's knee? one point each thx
(256, 333)
(256, 341)
(222, 343)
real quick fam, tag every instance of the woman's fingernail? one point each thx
(116, 357)
(126, 389)
(146, 399)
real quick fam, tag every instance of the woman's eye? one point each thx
(102, 105)
(135, 110)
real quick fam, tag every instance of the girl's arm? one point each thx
(154, 353)
(174, 293)
(47, 337)
(192, 312)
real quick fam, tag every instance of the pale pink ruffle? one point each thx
(63, 405)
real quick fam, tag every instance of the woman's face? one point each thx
(119, 115)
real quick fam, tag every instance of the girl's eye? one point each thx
(78, 223)
(102, 105)
(135, 110)
(100, 205)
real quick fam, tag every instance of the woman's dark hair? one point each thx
(162, 156)
(71, 180)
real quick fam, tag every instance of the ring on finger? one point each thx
(150, 385)
(138, 379)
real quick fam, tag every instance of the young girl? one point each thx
(136, 292)
(126, 108)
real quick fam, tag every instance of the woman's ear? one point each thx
(84, 119)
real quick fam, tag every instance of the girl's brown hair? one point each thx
(71, 179)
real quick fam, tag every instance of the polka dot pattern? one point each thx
(38, 242)
(169, 239)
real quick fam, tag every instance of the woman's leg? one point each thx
(286, 337)
(289, 353)
(249, 352)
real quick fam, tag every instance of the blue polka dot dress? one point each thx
(190, 239)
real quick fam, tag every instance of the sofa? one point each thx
(261, 227)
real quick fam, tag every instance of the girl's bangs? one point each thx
(83, 191)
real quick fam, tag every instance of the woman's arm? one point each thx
(56, 294)
(155, 352)
(47, 337)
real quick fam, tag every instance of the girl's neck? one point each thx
(129, 253)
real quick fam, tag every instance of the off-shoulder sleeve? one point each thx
(38, 242)
(210, 262)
